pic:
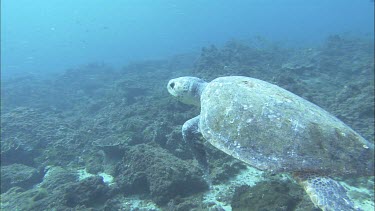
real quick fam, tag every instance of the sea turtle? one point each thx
(274, 130)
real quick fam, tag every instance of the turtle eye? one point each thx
(172, 85)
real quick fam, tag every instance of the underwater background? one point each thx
(87, 122)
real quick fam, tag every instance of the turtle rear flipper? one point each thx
(192, 136)
(326, 193)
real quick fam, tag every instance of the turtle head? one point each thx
(187, 89)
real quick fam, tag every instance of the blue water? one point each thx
(43, 36)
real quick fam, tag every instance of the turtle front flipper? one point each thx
(325, 193)
(193, 137)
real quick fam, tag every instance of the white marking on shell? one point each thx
(236, 144)
(296, 126)
(238, 129)
(291, 153)
(274, 158)
(228, 110)
(271, 116)
(263, 108)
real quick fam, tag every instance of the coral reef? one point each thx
(123, 123)
(19, 175)
(150, 169)
(282, 195)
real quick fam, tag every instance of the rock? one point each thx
(88, 192)
(284, 196)
(19, 175)
(56, 177)
(150, 169)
